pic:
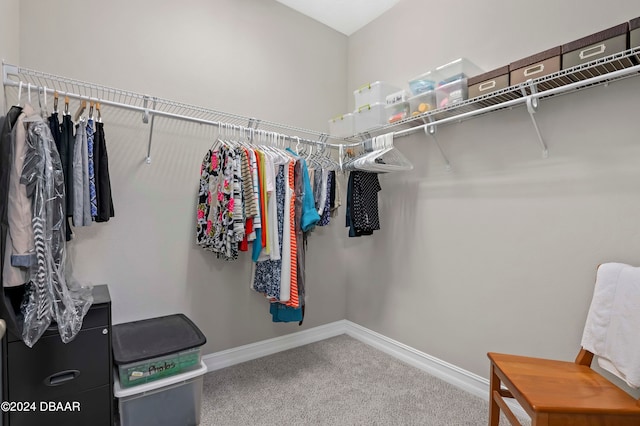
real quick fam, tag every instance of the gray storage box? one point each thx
(489, 82)
(535, 66)
(599, 45)
(634, 36)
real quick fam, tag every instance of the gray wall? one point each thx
(500, 253)
(9, 35)
(252, 57)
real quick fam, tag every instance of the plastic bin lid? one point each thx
(154, 337)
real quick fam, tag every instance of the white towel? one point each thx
(612, 329)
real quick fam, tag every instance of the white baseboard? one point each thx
(233, 356)
(459, 377)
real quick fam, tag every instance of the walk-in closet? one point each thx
(269, 212)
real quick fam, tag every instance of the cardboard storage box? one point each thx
(489, 82)
(596, 46)
(535, 66)
(634, 36)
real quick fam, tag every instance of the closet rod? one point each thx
(40, 87)
(556, 90)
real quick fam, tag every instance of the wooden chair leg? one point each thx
(494, 409)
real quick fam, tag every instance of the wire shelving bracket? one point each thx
(431, 129)
(532, 107)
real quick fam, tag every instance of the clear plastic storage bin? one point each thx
(171, 401)
(397, 112)
(148, 370)
(461, 68)
(400, 96)
(452, 93)
(342, 126)
(422, 103)
(155, 348)
(368, 117)
(424, 82)
(373, 93)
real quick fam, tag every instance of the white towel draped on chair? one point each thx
(612, 329)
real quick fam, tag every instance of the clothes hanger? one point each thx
(91, 104)
(81, 108)
(384, 158)
(55, 101)
(99, 112)
(66, 105)
(43, 111)
(19, 92)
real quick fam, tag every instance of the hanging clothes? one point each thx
(104, 200)
(93, 201)
(268, 195)
(8, 308)
(67, 139)
(326, 214)
(49, 297)
(20, 241)
(267, 275)
(54, 126)
(362, 203)
(80, 168)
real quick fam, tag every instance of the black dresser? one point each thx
(71, 384)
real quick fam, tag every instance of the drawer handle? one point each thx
(534, 70)
(592, 51)
(61, 377)
(486, 86)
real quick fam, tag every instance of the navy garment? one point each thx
(67, 141)
(104, 199)
(54, 126)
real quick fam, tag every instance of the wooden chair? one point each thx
(558, 393)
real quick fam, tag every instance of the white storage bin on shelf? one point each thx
(452, 93)
(397, 112)
(342, 126)
(456, 70)
(422, 103)
(424, 82)
(368, 117)
(171, 401)
(373, 93)
(395, 97)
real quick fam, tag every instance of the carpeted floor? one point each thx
(338, 381)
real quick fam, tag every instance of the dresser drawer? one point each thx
(53, 369)
(94, 409)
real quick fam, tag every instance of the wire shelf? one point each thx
(78, 89)
(611, 68)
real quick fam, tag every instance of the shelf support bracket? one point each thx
(532, 107)
(253, 123)
(430, 130)
(153, 117)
